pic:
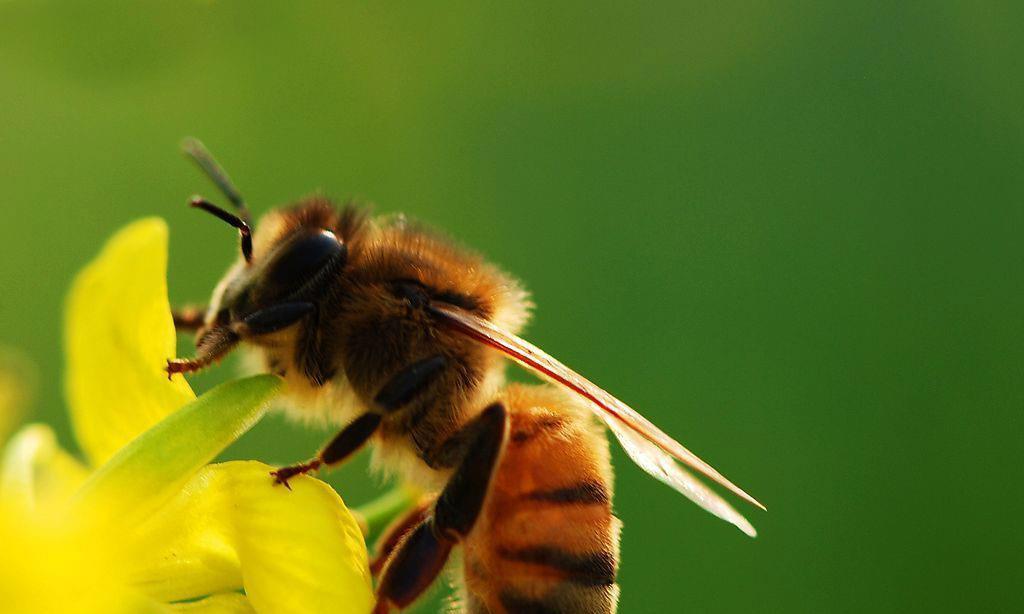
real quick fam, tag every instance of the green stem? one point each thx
(379, 513)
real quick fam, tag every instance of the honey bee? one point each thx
(402, 336)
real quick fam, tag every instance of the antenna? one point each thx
(243, 227)
(195, 150)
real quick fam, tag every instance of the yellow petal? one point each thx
(119, 335)
(230, 528)
(37, 472)
(48, 563)
(232, 603)
(154, 466)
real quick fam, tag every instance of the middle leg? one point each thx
(216, 342)
(396, 393)
(344, 444)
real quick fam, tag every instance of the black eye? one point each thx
(305, 257)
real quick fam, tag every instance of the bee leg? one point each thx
(315, 354)
(422, 555)
(274, 318)
(189, 318)
(213, 345)
(415, 565)
(282, 315)
(216, 342)
(409, 382)
(393, 534)
(395, 394)
(344, 444)
(463, 496)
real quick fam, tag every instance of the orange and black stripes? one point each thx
(586, 492)
(513, 601)
(597, 569)
(543, 424)
(547, 540)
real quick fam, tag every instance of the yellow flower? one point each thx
(147, 525)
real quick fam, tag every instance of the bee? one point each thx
(403, 337)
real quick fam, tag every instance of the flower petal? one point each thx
(36, 471)
(231, 528)
(119, 335)
(48, 563)
(155, 465)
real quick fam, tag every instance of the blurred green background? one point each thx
(790, 233)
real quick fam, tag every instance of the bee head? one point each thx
(289, 268)
(294, 254)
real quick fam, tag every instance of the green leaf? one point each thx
(217, 604)
(155, 465)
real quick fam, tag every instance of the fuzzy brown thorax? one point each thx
(368, 320)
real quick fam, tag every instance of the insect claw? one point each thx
(182, 366)
(282, 475)
(176, 366)
(280, 478)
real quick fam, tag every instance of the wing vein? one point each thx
(612, 409)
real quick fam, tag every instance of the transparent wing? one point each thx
(654, 461)
(648, 446)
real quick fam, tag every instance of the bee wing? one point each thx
(649, 447)
(656, 462)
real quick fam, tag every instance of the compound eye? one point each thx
(305, 257)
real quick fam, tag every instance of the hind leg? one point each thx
(392, 535)
(422, 555)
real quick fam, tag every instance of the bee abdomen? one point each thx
(562, 600)
(548, 541)
(589, 569)
(542, 580)
(589, 492)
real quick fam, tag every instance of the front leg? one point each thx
(214, 343)
(422, 555)
(344, 444)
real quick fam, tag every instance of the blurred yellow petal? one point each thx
(154, 466)
(119, 335)
(218, 604)
(230, 528)
(49, 564)
(36, 471)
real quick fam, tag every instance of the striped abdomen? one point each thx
(547, 540)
